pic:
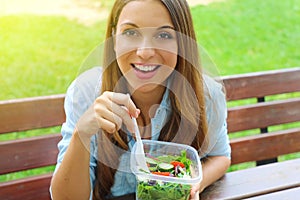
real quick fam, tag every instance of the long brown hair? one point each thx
(187, 123)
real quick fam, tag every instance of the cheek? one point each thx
(170, 60)
(123, 64)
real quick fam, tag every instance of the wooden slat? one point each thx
(263, 114)
(255, 181)
(284, 194)
(27, 188)
(260, 84)
(265, 146)
(28, 153)
(31, 113)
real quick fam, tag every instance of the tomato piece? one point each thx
(177, 163)
(162, 173)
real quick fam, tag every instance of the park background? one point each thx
(44, 43)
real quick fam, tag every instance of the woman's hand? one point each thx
(113, 109)
(213, 168)
(109, 112)
(195, 191)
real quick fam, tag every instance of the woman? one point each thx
(151, 72)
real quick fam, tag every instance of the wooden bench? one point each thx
(42, 112)
(29, 153)
(264, 113)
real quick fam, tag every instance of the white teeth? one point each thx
(145, 68)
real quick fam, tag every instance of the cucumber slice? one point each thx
(152, 169)
(165, 166)
(151, 162)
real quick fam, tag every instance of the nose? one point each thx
(145, 52)
(145, 48)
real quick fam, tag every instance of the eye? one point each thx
(130, 32)
(165, 36)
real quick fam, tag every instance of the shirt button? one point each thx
(157, 126)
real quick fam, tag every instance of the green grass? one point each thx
(250, 35)
(26, 173)
(30, 133)
(42, 55)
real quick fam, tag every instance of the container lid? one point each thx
(170, 149)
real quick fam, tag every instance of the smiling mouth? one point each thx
(145, 68)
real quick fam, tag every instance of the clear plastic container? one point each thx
(157, 187)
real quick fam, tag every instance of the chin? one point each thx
(145, 88)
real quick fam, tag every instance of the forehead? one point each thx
(145, 13)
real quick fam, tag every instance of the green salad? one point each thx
(172, 166)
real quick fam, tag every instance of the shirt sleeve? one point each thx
(216, 111)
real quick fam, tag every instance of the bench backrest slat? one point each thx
(28, 153)
(31, 113)
(261, 84)
(264, 114)
(265, 146)
(27, 189)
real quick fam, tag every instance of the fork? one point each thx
(139, 153)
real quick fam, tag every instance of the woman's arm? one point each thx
(72, 179)
(213, 168)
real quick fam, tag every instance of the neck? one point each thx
(148, 99)
(148, 102)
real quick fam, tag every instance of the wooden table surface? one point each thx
(292, 193)
(262, 182)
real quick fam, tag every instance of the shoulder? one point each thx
(215, 101)
(90, 78)
(213, 90)
(83, 91)
(87, 84)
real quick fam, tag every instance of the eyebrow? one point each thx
(129, 24)
(136, 26)
(166, 27)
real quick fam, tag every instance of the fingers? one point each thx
(195, 192)
(125, 100)
(113, 109)
(107, 120)
(195, 196)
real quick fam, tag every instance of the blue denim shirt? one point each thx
(85, 89)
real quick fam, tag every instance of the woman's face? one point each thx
(146, 44)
